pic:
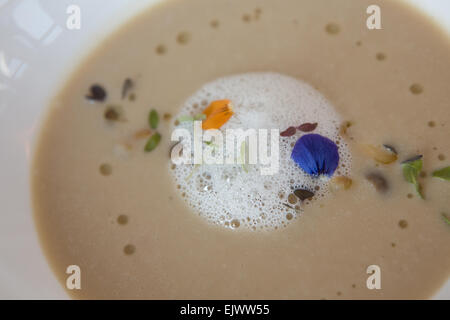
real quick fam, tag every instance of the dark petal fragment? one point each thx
(308, 127)
(303, 194)
(390, 148)
(289, 132)
(412, 159)
(97, 93)
(316, 155)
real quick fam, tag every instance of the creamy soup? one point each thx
(108, 198)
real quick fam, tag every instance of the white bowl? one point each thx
(37, 50)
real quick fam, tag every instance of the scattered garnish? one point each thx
(378, 181)
(167, 116)
(105, 169)
(153, 142)
(112, 113)
(381, 154)
(217, 114)
(340, 183)
(443, 174)
(289, 132)
(128, 84)
(307, 127)
(303, 194)
(142, 134)
(403, 224)
(97, 93)
(153, 119)
(446, 219)
(197, 117)
(344, 127)
(316, 155)
(411, 170)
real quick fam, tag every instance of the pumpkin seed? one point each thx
(303, 194)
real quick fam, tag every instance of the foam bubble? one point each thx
(227, 195)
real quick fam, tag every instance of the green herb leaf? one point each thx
(200, 116)
(446, 219)
(153, 142)
(443, 174)
(186, 119)
(411, 171)
(153, 119)
(197, 117)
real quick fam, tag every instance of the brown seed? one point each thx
(122, 219)
(381, 56)
(441, 157)
(416, 88)
(167, 116)
(129, 249)
(403, 224)
(105, 169)
(161, 49)
(183, 38)
(332, 28)
(214, 23)
(246, 17)
(303, 194)
(431, 124)
(112, 114)
(378, 181)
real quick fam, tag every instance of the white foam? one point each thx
(225, 194)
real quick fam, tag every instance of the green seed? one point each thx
(153, 119)
(153, 142)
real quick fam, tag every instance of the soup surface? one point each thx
(104, 204)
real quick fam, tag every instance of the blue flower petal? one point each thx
(316, 155)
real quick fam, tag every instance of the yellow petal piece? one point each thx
(380, 154)
(217, 114)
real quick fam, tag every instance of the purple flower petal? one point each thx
(316, 155)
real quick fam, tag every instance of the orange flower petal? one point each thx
(217, 114)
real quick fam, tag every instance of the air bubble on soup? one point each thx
(229, 196)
